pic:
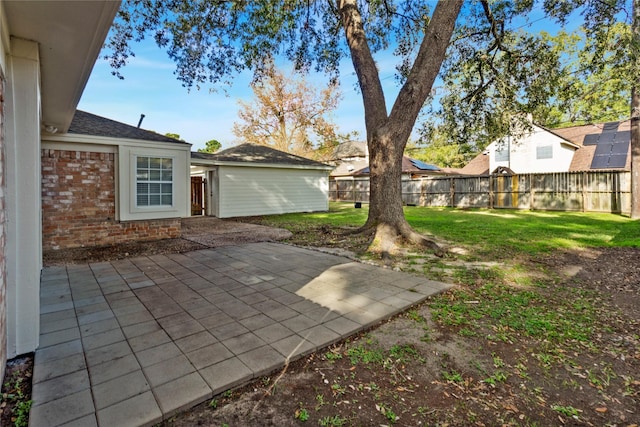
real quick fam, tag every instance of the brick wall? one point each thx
(3, 267)
(79, 200)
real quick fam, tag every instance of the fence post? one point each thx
(532, 192)
(353, 190)
(452, 192)
(490, 188)
(584, 191)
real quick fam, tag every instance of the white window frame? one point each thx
(161, 182)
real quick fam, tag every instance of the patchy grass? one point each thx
(484, 234)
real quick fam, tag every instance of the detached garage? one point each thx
(252, 179)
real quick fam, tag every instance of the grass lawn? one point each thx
(494, 234)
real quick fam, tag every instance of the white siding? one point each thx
(523, 153)
(245, 191)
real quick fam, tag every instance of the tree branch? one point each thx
(375, 110)
(425, 69)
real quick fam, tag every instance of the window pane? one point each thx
(154, 175)
(167, 163)
(167, 175)
(142, 175)
(502, 155)
(544, 152)
(155, 162)
(142, 188)
(167, 200)
(142, 200)
(143, 162)
(154, 188)
(154, 199)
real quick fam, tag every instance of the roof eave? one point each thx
(212, 162)
(70, 35)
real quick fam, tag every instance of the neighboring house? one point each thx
(349, 157)
(352, 160)
(411, 169)
(47, 52)
(252, 179)
(105, 182)
(539, 150)
(604, 146)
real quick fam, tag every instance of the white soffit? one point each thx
(70, 35)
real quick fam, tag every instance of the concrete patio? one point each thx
(132, 342)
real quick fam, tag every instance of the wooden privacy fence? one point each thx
(564, 191)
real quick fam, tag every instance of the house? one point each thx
(349, 157)
(411, 169)
(604, 146)
(538, 150)
(105, 182)
(352, 160)
(251, 179)
(47, 52)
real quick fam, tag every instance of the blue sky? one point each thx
(151, 88)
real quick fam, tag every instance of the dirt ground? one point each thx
(422, 369)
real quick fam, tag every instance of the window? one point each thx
(544, 152)
(502, 154)
(154, 181)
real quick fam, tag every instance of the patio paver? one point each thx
(132, 342)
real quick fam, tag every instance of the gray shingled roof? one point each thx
(254, 153)
(89, 124)
(350, 149)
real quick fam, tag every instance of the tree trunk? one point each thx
(635, 115)
(387, 135)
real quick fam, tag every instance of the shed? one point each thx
(251, 179)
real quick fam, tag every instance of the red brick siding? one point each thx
(3, 267)
(78, 204)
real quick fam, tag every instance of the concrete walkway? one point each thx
(132, 342)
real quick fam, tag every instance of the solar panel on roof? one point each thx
(603, 149)
(620, 148)
(591, 139)
(611, 147)
(606, 138)
(600, 162)
(623, 136)
(423, 166)
(617, 160)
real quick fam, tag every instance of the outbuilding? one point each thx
(251, 179)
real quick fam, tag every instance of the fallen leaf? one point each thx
(511, 408)
(601, 410)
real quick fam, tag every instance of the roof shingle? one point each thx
(254, 153)
(90, 124)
